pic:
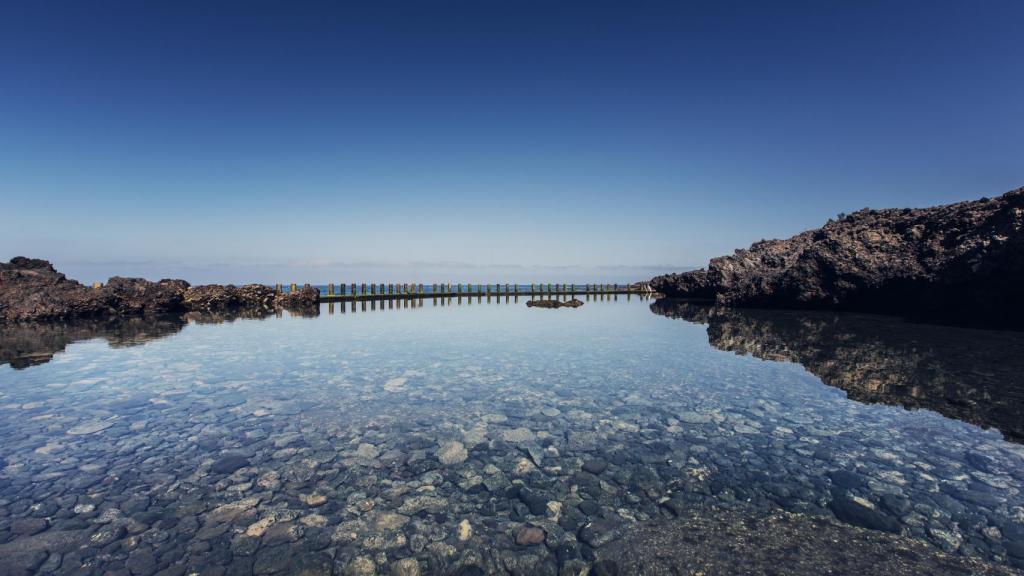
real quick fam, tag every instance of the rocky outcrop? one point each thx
(305, 298)
(31, 290)
(136, 296)
(959, 263)
(967, 374)
(574, 303)
(217, 298)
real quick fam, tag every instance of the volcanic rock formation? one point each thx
(960, 263)
(32, 290)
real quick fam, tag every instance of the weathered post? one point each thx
(294, 287)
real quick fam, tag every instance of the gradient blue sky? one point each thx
(484, 140)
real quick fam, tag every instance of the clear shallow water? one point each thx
(439, 433)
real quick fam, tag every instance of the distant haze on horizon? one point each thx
(485, 141)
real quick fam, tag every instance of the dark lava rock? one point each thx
(228, 463)
(852, 512)
(958, 263)
(599, 532)
(750, 542)
(32, 289)
(28, 526)
(535, 501)
(574, 303)
(845, 479)
(595, 466)
(136, 296)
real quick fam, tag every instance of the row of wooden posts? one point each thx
(457, 289)
(370, 304)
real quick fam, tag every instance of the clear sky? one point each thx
(485, 140)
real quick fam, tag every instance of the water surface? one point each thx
(442, 434)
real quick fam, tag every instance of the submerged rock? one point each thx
(961, 263)
(739, 542)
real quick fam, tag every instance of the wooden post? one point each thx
(353, 293)
(294, 288)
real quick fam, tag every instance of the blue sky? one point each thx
(483, 140)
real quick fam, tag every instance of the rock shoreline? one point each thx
(32, 290)
(958, 263)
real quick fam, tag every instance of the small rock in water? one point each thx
(28, 526)
(465, 531)
(406, 567)
(367, 451)
(90, 427)
(595, 466)
(313, 499)
(453, 452)
(853, 512)
(228, 463)
(361, 566)
(529, 536)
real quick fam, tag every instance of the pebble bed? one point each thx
(468, 440)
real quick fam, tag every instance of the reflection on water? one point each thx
(22, 346)
(971, 375)
(484, 438)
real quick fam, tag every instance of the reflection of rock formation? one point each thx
(24, 345)
(971, 375)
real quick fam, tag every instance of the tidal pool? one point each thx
(432, 437)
